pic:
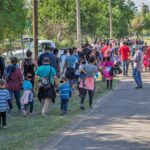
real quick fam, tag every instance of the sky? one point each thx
(139, 3)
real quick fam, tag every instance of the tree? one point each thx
(12, 19)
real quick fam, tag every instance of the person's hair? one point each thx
(92, 59)
(46, 60)
(55, 51)
(63, 79)
(71, 51)
(108, 58)
(28, 53)
(2, 82)
(14, 60)
(65, 51)
(46, 48)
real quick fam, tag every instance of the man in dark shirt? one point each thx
(48, 53)
(2, 66)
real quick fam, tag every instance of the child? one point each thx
(27, 98)
(4, 97)
(65, 94)
(107, 72)
(145, 62)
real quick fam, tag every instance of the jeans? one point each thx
(83, 95)
(3, 119)
(16, 94)
(137, 77)
(125, 67)
(64, 105)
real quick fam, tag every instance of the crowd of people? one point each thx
(63, 74)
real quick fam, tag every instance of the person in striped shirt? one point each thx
(4, 97)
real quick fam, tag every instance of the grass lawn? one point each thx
(27, 133)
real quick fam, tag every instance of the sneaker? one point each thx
(44, 115)
(138, 87)
(82, 107)
(4, 127)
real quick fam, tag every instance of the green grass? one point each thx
(27, 133)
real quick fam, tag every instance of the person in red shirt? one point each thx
(103, 50)
(124, 53)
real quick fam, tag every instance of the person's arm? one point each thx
(35, 64)
(64, 67)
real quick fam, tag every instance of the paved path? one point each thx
(121, 121)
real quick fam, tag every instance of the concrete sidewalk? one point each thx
(120, 121)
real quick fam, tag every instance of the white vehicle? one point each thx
(20, 54)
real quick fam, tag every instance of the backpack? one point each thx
(8, 71)
(44, 83)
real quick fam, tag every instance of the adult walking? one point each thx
(48, 79)
(124, 53)
(14, 77)
(69, 66)
(2, 66)
(89, 84)
(29, 65)
(49, 54)
(138, 63)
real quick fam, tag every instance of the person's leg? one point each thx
(61, 106)
(0, 119)
(31, 107)
(127, 66)
(90, 92)
(107, 84)
(46, 106)
(124, 70)
(17, 97)
(4, 123)
(65, 105)
(111, 82)
(139, 78)
(83, 95)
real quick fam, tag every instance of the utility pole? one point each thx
(78, 23)
(110, 19)
(35, 28)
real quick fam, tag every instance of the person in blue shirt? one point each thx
(27, 98)
(65, 94)
(4, 98)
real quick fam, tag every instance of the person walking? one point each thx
(14, 77)
(4, 98)
(48, 79)
(2, 66)
(90, 71)
(49, 54)
(124, 53)
(29, 65)
(138, 63)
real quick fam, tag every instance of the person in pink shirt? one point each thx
(107, 72)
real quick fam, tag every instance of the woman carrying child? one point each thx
(88, 84)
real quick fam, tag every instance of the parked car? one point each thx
(20, 54)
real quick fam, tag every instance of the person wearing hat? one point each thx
(138, 63)
(4, 98)
(48, 79)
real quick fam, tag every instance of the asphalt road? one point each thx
(119, 121)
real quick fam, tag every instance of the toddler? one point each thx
(65, 94)
(4, 98)
(27, 98)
